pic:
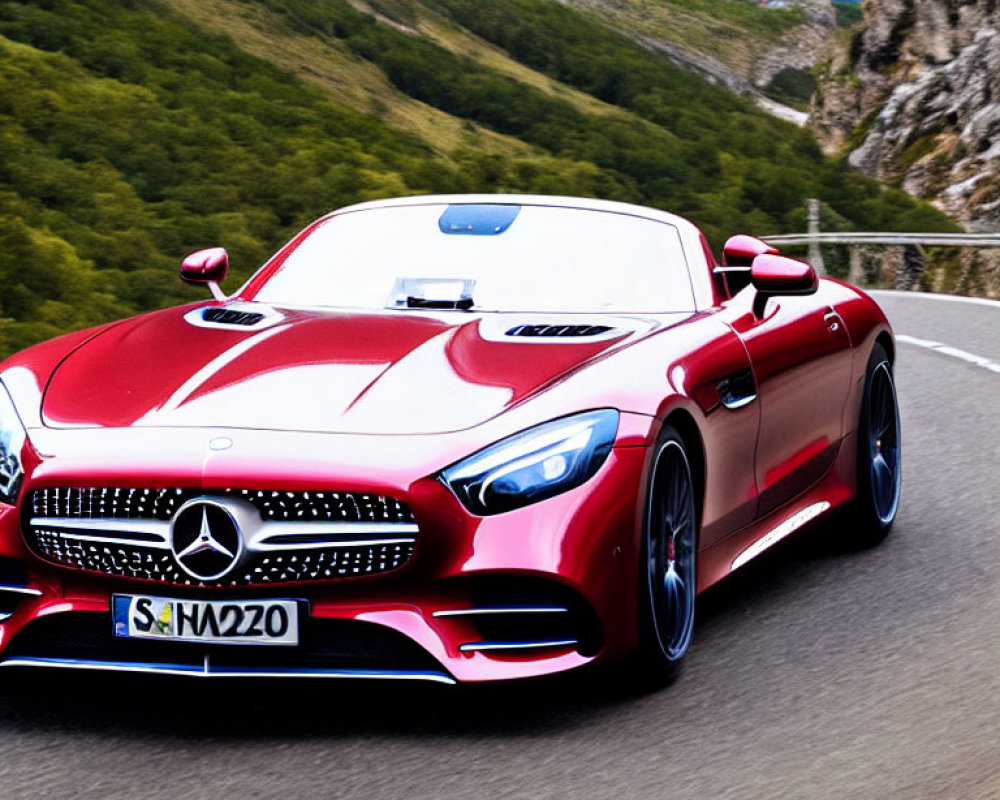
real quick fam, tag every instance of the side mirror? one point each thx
(207, 266)
(779, 275)
(741, 250)
(737, 256)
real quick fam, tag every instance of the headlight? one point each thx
(12, 438)
(535, 464)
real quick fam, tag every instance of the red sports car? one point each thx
(452, 439)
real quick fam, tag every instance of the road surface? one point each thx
(818, 673)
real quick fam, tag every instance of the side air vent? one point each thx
(229, 316)
(559, 330)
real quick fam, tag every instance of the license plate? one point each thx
(218, 621)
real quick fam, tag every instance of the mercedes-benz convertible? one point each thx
(455, 439)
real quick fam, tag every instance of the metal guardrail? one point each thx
(856, 240)
(925, 239)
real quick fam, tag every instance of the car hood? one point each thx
(326, 372)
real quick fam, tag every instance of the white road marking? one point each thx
(948, 350)
(949, 298)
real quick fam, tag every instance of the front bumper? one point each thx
(542, 589)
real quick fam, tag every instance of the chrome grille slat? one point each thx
(154, 533)
(301, 536)
(267, 536)
(277, 535)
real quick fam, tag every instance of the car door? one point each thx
(801, 356)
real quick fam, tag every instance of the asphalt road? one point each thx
(817, 673)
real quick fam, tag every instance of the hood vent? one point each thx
(559, 330)
(234, 316)
(229, 316)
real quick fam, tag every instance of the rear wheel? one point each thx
(667, 584)
(879, 463)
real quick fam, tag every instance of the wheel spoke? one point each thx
(888, 427)
(682, 547)
(878, 390)
(676, 490)
(885, 422)
(657, 509)
(880, 417)
(681, 519)
(674, 600)
(885, 483)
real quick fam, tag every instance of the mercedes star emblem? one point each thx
(205, 539)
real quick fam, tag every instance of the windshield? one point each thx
(487, 258)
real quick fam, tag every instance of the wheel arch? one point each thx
(885, 339)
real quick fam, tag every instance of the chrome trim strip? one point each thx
(260, 536)
(268, 535)
(260, 547)
(148, 527)
(775, 535)
(722, 269)
(114, 666)
(207, 671)
(473, 647)
(357, 674)
(25, 590)
(281, 528)
(471, 612)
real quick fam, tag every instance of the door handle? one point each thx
(832, 320)
(737, 390)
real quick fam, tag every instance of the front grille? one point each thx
(303, 536)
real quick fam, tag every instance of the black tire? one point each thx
(667, 563)
(879, 455)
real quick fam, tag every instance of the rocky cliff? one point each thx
(915, 98)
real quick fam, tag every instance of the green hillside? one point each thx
(133, 132)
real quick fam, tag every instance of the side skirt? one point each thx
(835, 489)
